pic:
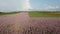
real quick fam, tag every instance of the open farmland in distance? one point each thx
(44, 14)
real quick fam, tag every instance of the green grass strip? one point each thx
(44, 14)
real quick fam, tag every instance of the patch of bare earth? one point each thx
(21, 23)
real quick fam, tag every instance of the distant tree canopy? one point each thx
(0, 12)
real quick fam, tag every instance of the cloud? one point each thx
(25, 5)
(48, 7)
(51, 7)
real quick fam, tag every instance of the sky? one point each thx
(29, 5)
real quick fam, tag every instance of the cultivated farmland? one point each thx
(22, 23)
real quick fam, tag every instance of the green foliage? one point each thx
(7, 13)
(0, 12)
(44, 14)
